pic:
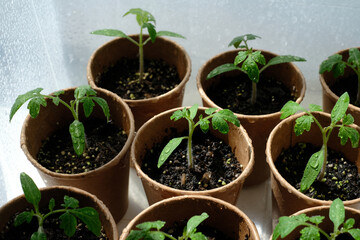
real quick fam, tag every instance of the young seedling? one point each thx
(337, 65)
(145, 20)
(311, 228)
(69, 213)
(219, 122)
(189, 232)
(315, 167)
(83, 94)
(250, 60)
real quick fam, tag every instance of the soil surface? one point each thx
(52, 230)
(123, 79)
(234, 93)
(341, 176)
(349, 84)
(214, 164)
(104, 140)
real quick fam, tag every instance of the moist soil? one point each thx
(234, 93)
(104, 141)
(214, 164)
(346, 84)
(123, 78)
(341, 175)
(52, 230)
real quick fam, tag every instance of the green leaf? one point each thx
(251, 69)
(155, 236)
(68, 223)
(339, 110)
(312, 170)
(77, 133)
(210, 111)
(56, 98)
(316, 219)
(238, 40)
(51, 204)
(315, 108)
(142, 16)
(198, 236)
(31, 191)
(328, 64)
(23, 98)
(240, 57)
(204, 124)
(23, 217)
(194, 222)
(90, 217)
(339, 69)
(178, 114)
(218, 123)
(168, 149)
(34, 105)
(354, 57)
(88, 106)
(347, 132)
(136, 235)
(348, 119)
(169, 34)
(355, 233)
(303, 123)
(38, 236)
(227, 67)
(258, 57)
(149, 225)
(349, 223)
(310, 233)
(288, 224)
(290, 108)
(70, 202)
(110, 33)
(284, 59)
(229, 116)
(337, 213)
(83, 91)
(193, 110)
(152, 32)
(104, 106)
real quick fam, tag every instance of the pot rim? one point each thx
(178, 88)
(245, 173)
(239, 115)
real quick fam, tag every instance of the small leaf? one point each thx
(23, 98)
(51, 204)
(178, 115)
(240, 57)
(355, 233)
(288, 224)
(349, 223)
(81, 91)
(348, 119)
(339, 69)
(310, 233)
(284, 59)
(204, 124)
(77, 133)
(169, 34)
(90, 217)
(316, 219)
(346, 133)
(142, 16)
(337, 213)
(290, 108)
(303, 123)
(198, 236)
(56, 98)
(339, 110)
(193, 110)
(194, 222)
(110, 33)
(31, 191)
(88, 106)
(155, 236)
(227, 67)
(354, 57)
(229, 116)
(151, 29)
(68, 223)
(168, 149)
(312, 170)
(218, 123)
(251, 69)
(104, 106)
(38, 236)
(210, 111)
(258, 57)
(23, 217)
(328, 64)
(34, 105)
(149, 225)
(315, 108)
(238, 40)
(70, 202)
(136, 235)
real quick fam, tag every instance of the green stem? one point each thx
(141, 56)
(169, 236)
(71, 108)
(189, 148)
(357, 102)
(253, 93)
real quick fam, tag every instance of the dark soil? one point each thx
(214, 164)
(349, 84)
(52, 230)
(234, 93)
(122, 78)
(341, 176)
(104, 140)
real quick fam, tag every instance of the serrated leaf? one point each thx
(90, 217)
(251, 69)
(136, 235)
(339, 110)
(178, 114)
(21, 99)
(194, 222)
(193, 110)
(155, 236)
(88, 106)
(227, 67)
(198, 236)
(210, 111)
(349, 223)
(354, 57)
(34, 105)
(229, 116)
(23, 217)
(328, 64)
(169, 34)
(51, 204)
(38, 236)
(151, 30)
(258, 57)
(348, 119)
(70, 202)
(355, 233)
(31, 191)
(241, 56)
(284, 59)
(142, 16)
(288, 224)
(312, 170)
(168, 149)
(56, 101)
(339, 69)
(303, 123)
(310, 233)
(81, 91)
(218, 123)
(238, 40)
(204, 124)
(68, 223)
(337, 213)
(290, 108)
(316, 219)
(104, 106)
(346, 133)
(77, 132)
(150, 225)
(315, 108)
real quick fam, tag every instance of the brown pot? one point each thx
(163, 48)
(157, 128)
(86, 199)
(288, 199)
(222, 215)
(108, 182)
(257, 126)
(327, 225)
(329, 98)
